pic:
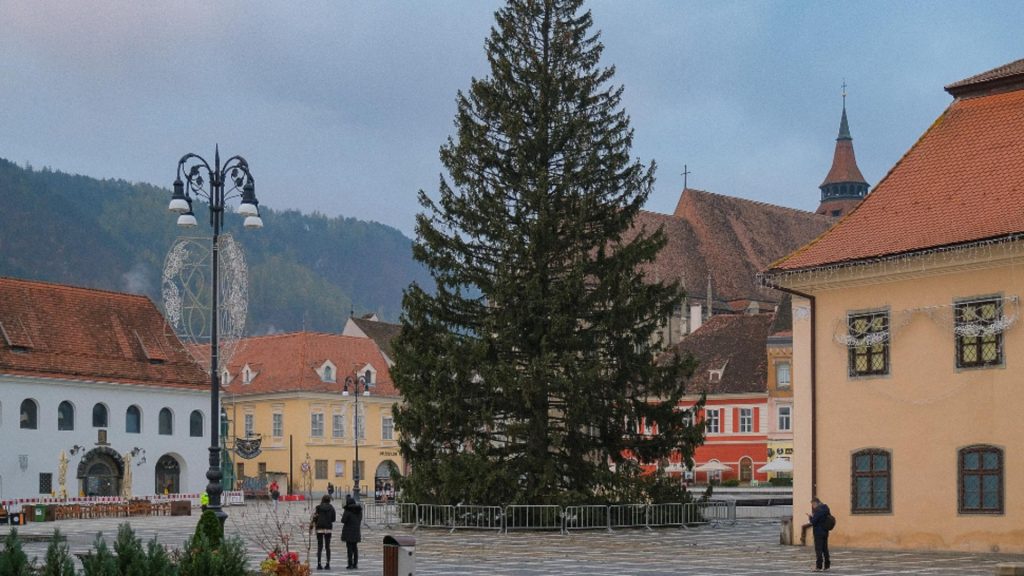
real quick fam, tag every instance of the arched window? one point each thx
(99, 415)
(166, 422)
(328, 374)
(133, 420)
(981, 480)
(65, 416)
(29, 414)
(872, 482)
(195, 424)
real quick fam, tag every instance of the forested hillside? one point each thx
(305, 271)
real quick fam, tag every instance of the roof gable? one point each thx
(731, 354)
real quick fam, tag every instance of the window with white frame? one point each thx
(277, 427)
(387, 428)
(782, 375)
(250, 424)
(785, 417)
(316, 425)
(713, 421)
(338, 425)
(746, 420)
(361, 424)
(339, 468)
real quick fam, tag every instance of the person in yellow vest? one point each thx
(204, 500)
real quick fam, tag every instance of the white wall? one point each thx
(43, 445)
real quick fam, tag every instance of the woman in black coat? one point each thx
(324, 522)
(351, 534)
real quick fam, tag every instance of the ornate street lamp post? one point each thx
(216, 184)
(362, 383)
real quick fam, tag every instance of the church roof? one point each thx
(1003, 78)
(732, 238)
(961, 182)
(732, 343)
(289, 363)
(60, 331)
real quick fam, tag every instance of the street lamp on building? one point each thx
(216, 184)
(356, 384)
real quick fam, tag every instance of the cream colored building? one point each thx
(907, 345)
(298, 394)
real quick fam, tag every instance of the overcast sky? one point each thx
(340, 107)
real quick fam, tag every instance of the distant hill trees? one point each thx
(305, 271)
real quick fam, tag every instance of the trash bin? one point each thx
(40, 513)
(29, 510)
(399, 559)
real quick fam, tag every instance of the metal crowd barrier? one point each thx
(533, 517)
(572, 518)
(585, 518)
(627, 516)
(478, 518)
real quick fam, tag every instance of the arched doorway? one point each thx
(383, 485)
(168, 475)
(746, 469)
(101, 471)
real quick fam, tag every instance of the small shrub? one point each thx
(58, 557)
(159, 561)
(199, 558)
(13, 560)
(210, 526)
(100, 561)
(730, 483)
(131, 558)
(781, 481)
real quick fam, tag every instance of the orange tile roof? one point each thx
(733, 238)
(59, 331)
(962, 181)
(844, 164)
(288, 363)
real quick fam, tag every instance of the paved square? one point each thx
(745, 549)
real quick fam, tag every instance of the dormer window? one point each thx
(225, 378)
(369, 374)
(328, 371)
(248, 375)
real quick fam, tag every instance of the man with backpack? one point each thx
(821, 521)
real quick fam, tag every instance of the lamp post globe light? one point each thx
(216, 184)
(356, 384)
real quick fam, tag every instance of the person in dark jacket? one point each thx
(324, 523)
(351, 533)
(819, 513)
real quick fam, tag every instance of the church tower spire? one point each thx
(844, 186)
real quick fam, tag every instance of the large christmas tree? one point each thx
(529, 375)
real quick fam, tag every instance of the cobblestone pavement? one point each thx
(745, 549)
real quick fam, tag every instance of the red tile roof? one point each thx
(1007, 76)
(734, 341)
(844, 165)
(962, 181)
(289, 363)
(733, 237)
(59, 331)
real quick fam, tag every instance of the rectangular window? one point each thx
(250, 424)
(981, 480)
(785, 417)
(321, 469)
(338, 425)
(979, 334)
(868, 343)
(240, 470)
(387, 428)
(359, 469)
(278, 425)
(316, 427)
(262, 468)
(45, 483)
(712, 421)
(872, 482)
(782, 377)
(339, 468)
(361, 425)
(746, 420)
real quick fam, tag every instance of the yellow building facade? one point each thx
(299, 394)
(907, 343)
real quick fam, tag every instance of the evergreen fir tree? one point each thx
(58, 557)
(529, 374)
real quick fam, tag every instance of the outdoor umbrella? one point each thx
(777, 465)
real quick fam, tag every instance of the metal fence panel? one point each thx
(586, 517)
(407, 514)
(717, 511)
(478, 518)
(666, 515)
(627, 516)
(385, 515)
(435, 516)
(529, 517)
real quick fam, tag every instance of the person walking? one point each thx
(351, 533)
(818, 519)
(275, 493)
(323, 521)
